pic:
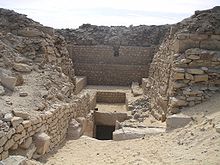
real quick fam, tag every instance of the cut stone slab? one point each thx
(14, 160)
(177, 121)
(109, 118)
(127, 133)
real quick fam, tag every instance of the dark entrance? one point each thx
(104, 132)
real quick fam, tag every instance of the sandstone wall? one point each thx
(107, 65)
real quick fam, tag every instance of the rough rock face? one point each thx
(186, 69)
(115, 35)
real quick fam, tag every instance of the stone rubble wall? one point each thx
(184, 72)
(102, 67)
(53, 122)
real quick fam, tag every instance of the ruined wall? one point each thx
(54, 122)
(115, 55)
(102, 65)
(186, 69)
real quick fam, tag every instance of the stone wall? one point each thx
(53, 122)
(110, 97)
(106, 65)
(186, 69)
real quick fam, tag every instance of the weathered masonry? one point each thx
(106, 65)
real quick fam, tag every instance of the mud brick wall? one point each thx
(107, 65)
(184, 72)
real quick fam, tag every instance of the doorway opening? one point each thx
(104, 132)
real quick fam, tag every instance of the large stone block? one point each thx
(203, 77)
(176, 102)
(26, 144)
(14, 160)
(195, 71)
(127, 133)
(8, 81)
(42, 142)
(74, 130)
(15, 121)
(22, 67)
(177, 121)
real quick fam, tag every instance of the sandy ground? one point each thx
(196, 143)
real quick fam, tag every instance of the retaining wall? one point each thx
(184, 72)
(53, 122)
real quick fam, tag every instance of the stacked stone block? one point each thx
(54, 123)
(184, 72)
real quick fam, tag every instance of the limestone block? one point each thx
(195, 71)
(10, 133)
(14, 147)
(20, 67)
(7, 117)
(42, 142)
(23, 94)
(9, 144)
(189, 76)
(5, 155)
(74, 130)
(30, 151)
(19, 128)
(15, 121)
(15, 160)
(182, 36)
(21, 113)
(26, 144)
(175, 102)
(136, 89)
(26, 123)
(8, 81)
(178, 76)
(178, 85)
(193, 57)
(198, 78)
(179, 70)
(217, 128)
(29, 32)
(133, 133)
(198, 36)
(2, 90)
(177, 121)
(3, 140)
(210, 44)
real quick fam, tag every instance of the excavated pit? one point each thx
(110, 107)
